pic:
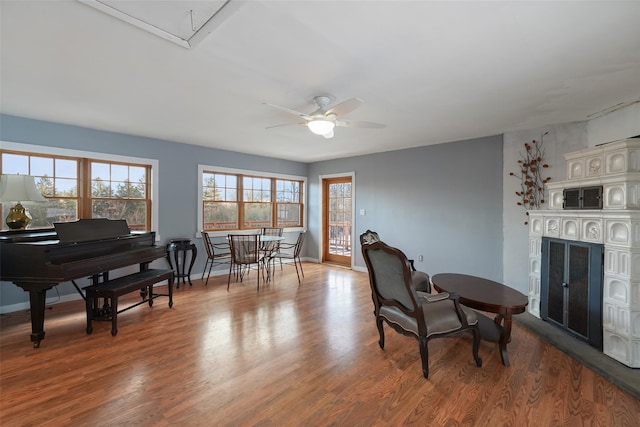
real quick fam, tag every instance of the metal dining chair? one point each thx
(270, 247)
(245, 252)
(290, 251)
(217, 253)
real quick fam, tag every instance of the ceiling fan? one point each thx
(323, 120)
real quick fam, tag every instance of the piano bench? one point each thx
(110, 290)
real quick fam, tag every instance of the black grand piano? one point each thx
(37, 260)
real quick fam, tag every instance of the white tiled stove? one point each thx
(616, 167)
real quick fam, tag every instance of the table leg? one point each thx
(194, 252)
(504, 321)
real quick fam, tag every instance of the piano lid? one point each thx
(91, 229)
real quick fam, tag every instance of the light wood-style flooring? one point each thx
(287, 355)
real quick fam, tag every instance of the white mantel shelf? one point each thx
(616, 167)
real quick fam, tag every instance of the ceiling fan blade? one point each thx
(359, 124)
(289, 110)
(345, 107)
(285, 124)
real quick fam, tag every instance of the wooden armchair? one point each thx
(420, 279)
(411, 312)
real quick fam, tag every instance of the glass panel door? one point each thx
(337, 211)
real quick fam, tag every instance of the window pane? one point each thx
(220, 216)
(41, 166)
(287, 191)
(257, 215)
(15, 163)
(257, 189)
(289, 215)
(219, 187)
(66, 168)
(137, 191)
(100, 188)
(115, 190)
(100, 171)
(137, 174)
(45, 186)
(134, 211)
(119, 173)
(66, 187)
(53, 210)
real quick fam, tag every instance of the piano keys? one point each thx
(37, 260)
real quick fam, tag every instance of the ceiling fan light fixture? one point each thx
(321, 126)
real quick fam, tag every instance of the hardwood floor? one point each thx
(287, 355)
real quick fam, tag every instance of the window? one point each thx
(120, 191)
(288, 203)
(234, 200)
(220, 201)
(116, 190)
(257, 202)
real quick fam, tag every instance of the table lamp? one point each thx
(19, 188)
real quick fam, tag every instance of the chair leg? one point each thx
(208, 273)
(257, 274)
(231, 267)
(206, 263)
(299, 262)
(476, 345)
(424, 355)
(380, 331)
(297, 273)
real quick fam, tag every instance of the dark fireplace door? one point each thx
(571, 287)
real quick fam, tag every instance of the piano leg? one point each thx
(37, 300)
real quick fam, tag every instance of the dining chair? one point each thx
(217, 253)
(271, 231)
(410, 312)
(271, 246)
(290, 251)
(245, 252)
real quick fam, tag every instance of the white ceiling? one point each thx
(432, 71)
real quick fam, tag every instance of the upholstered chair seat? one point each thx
(437, 313)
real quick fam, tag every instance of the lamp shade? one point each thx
(321, 126)
(19, 188)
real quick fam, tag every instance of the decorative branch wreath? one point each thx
(531, 194)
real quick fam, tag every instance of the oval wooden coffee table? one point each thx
(486, 295)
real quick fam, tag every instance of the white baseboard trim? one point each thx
(49, 301)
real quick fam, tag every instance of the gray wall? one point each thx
(440, 201)
(177, 177)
